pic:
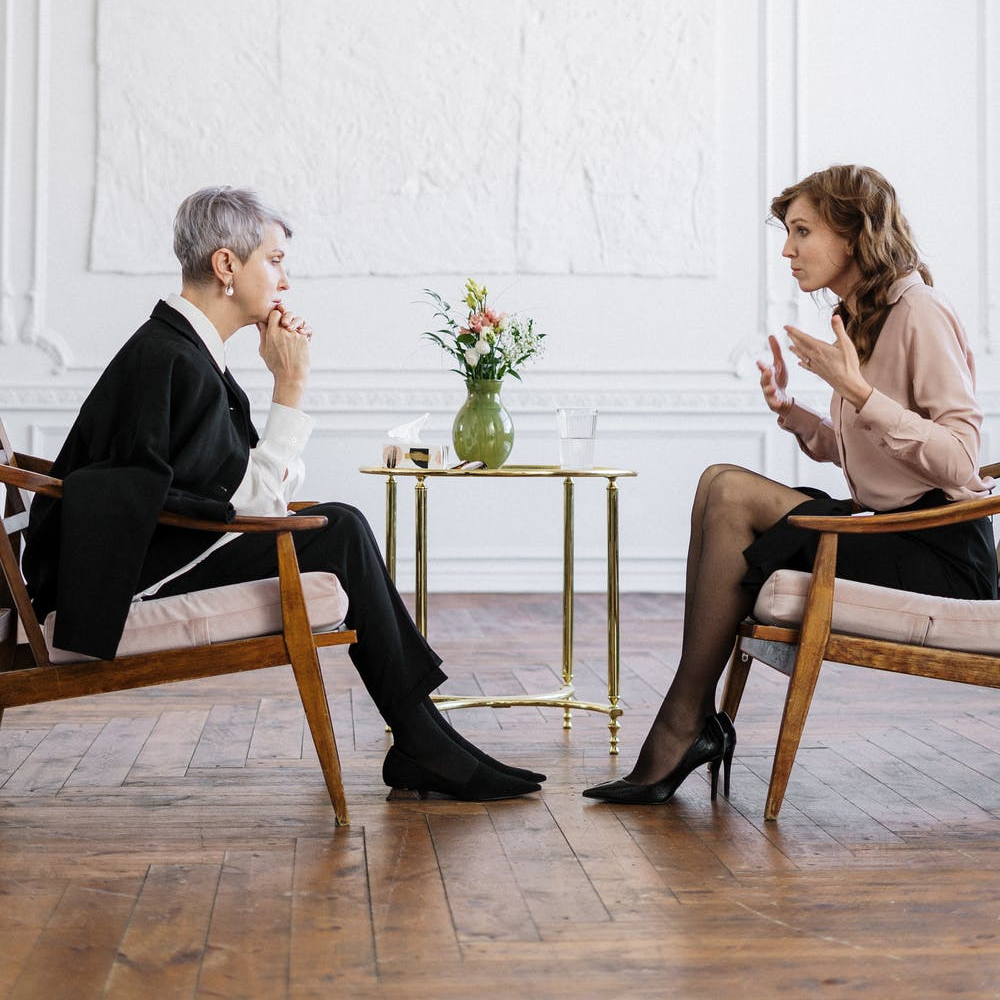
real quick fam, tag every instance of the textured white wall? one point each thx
(603, 165)
(422, 137)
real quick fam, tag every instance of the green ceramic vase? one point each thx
(483, 431)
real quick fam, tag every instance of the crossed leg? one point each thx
(732, 506)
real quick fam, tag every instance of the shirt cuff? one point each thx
(879, 415)
(800, 420)
(287, 430)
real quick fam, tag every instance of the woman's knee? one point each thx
(740, 496)
(346, 525)
(336, 512)
(713, 472)
(718, 483)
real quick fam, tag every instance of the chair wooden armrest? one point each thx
(34, 482)
(933, 517)
(49, 486)
(32, 464)
(245, 523)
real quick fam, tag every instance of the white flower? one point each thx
(472, 357)
(482, 347)
(486, 332)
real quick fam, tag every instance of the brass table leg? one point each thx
(390, 526)
(420, 597)
(613, 616)
(567, 657)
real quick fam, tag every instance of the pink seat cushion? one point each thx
(882, 613)
(221, 614)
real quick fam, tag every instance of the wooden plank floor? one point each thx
(178, 843)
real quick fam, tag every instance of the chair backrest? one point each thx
(13, 592)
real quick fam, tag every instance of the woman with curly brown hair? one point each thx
(904, 427)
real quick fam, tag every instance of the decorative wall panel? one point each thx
(423, 137)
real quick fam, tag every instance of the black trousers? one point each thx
(393, 659)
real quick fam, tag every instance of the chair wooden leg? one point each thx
(312, 691)
(308, 676)
(797, 701)
(736, 681)
(813, 640)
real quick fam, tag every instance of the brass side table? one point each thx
(564, 697)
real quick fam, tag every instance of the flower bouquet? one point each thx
(487, 347)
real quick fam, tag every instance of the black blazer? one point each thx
(162, 428)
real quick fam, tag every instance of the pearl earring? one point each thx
(229, 289)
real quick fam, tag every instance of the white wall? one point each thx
(603, 165)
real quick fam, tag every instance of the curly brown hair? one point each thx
(861, 206)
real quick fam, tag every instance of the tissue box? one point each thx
(415, 456)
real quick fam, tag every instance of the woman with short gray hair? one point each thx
(168, 426)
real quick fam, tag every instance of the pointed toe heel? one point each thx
(708, 748)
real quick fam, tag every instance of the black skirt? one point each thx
(954, 560)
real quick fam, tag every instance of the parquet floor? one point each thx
(177, 842)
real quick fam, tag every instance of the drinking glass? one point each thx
(577, 425)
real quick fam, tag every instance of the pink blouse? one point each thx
(920, 427)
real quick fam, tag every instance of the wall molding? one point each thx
(989, 162)
(640, 404)
(7, 324)
(33, 292)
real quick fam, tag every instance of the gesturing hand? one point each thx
(836, 364)
(774, 379)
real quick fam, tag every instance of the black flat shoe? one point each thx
(402, 773)
(729, 732)
(709, 746)
(481, 755)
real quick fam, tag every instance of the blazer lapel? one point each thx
(236, 393)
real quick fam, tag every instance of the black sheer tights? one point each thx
(732, 506)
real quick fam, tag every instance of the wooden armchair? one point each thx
(802, 619)
(264, 623)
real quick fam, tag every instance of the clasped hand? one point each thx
(284, 348)
(284, 344)
(836, 364)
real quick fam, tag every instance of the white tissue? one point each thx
(409, 433)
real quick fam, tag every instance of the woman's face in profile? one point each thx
(820, 258)
(260, 281)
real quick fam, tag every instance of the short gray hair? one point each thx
(217, 217)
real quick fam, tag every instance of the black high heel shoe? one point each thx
(709, 747)
(729, 732)
(401, 772)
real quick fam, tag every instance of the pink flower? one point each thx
(481, 319)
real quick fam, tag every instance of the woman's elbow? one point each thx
(958, 470)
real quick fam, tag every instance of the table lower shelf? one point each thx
(563, 698)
